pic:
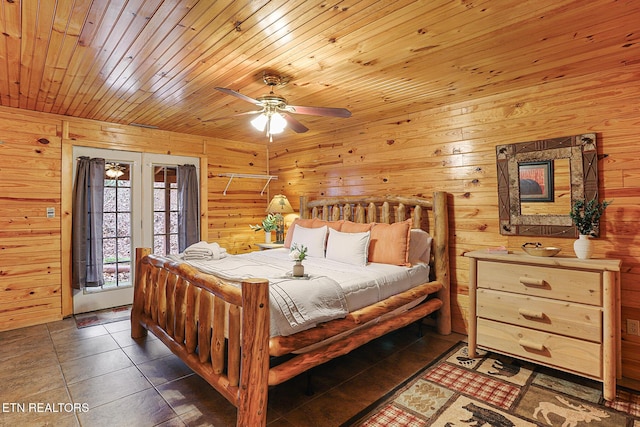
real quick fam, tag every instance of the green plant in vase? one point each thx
(269, 224)
(586, 217)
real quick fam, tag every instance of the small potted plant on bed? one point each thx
(298, 253)
(269, 224)
(586, 217)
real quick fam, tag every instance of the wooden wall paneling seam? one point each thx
(66, 225)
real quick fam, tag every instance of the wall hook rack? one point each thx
(231, 176)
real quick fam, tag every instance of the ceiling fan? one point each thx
(274, 114)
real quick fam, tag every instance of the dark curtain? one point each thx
(88, 195)
(188, 212)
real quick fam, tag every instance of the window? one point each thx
(165, 210)
(117, 234)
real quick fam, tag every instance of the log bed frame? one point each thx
(221, 331)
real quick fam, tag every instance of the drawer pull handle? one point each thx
(530, 281)
(531, 344)
(530, 313)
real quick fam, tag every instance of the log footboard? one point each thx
(187, 311)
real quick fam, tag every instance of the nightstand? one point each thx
(556, 311)
(266, 246)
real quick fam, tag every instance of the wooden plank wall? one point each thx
(35, 251)
(30, 243)
(452, 148)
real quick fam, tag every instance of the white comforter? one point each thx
(332, 290)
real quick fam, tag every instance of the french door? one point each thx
(139, 209)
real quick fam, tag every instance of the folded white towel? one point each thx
(205, 251)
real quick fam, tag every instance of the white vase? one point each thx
(583, 247)
(267, 237)
(298, 269)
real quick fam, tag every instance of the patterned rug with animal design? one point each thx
(498, 391)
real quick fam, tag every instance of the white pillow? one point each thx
(350, 248)
(419, 246)
(313, 238)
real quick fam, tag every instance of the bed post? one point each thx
(137, 330)
(441, 237)
(254, 375)
(304, 211)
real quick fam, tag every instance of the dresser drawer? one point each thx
(558, 317)
(547, 282)
(560, 352)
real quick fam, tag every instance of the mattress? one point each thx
(331, 290)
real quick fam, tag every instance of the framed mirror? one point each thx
(538, 181)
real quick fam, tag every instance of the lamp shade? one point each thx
(279, 204)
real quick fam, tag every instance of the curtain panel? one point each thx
(188, 210)
(87, 223)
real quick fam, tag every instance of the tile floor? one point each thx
(59, 375)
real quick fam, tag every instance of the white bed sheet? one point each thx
(362, 286)
(336, 288)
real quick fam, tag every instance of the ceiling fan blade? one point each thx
(238, 95)
(232, 116)
(320, 111)
(294, 124)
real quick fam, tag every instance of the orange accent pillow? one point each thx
(390, 243)
(336, 225)
(356, 227)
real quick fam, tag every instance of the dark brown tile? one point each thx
(74, 334)
(76, 349)
(52, 407)
(174, 422)
(28, 334)
(146, 349)
(119, 326)
(106, 388)
(123, 338)
(143, 409)
(197, 402)
(95, 365)
(61, 325)
(23, 355)
(19, 384)
(165, 369)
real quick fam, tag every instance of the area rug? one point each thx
(101, 317)
(499, 391)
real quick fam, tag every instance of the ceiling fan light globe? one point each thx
(278, 123)
(260, 122)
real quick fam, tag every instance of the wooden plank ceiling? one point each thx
(157, 62)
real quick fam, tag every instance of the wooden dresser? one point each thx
(557, 311)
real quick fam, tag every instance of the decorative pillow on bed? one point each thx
(313, 238)
(350, 248)
(336, 225)
(355, 227)
(310, 223)
(390, 243)
(419, 246)
(298, 221)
